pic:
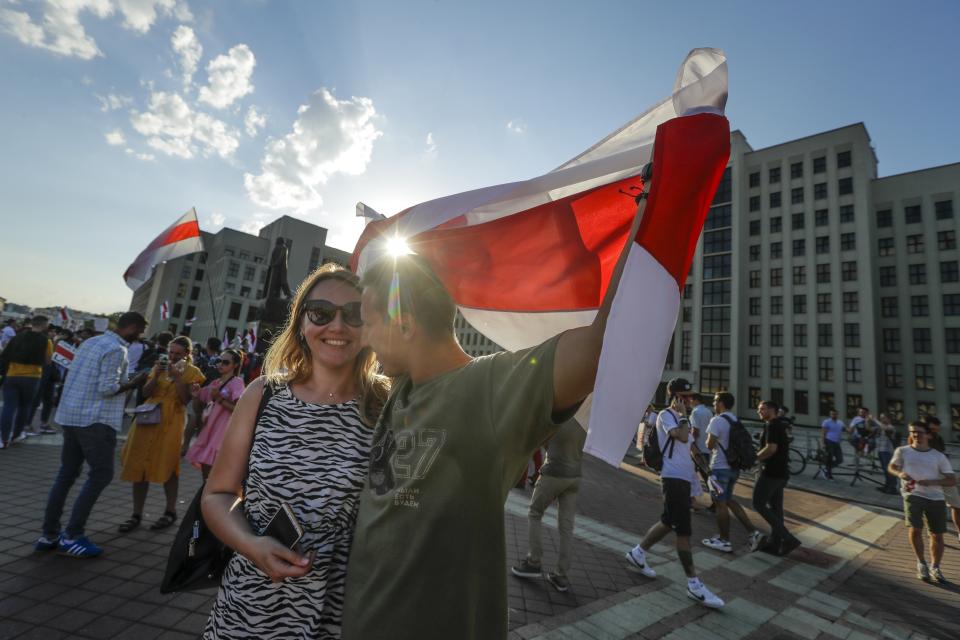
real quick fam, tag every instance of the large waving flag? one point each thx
(527, 260)
(179, 239)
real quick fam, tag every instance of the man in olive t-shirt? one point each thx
(428, 557)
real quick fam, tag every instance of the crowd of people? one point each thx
(394, 452)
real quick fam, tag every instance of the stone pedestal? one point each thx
(272, 315)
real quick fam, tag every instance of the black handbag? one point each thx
(197, 558)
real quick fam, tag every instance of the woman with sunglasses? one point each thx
(309, 448)
(218, 400)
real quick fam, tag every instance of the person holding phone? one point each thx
(304, 457)
(218, 400)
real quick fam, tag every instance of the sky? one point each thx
(116, 116)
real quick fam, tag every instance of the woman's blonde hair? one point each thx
(288, 360)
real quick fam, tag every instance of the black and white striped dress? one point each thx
(314, 457)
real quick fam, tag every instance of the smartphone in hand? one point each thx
(284, 526)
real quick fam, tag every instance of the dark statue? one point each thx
(273, 309)
(277, 272)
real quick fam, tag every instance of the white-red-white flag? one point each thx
(165, 310)
(189, 321)
(64, 317)
(527, 260)
(252, 337)
(179, 239)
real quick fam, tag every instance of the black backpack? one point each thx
(740, 452)
(652, 452)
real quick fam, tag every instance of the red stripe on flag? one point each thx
(689, 156)
(182, 231)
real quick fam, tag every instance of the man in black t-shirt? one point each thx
(768, 490)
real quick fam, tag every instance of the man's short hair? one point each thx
(770, 404)
(163, 339)
(863, 409)
(131, 318)
(726, 398)
(921, 424)
(38, 322)
(420, 292)
(214, 344)
(928, 420)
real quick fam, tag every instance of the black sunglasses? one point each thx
(322, 312)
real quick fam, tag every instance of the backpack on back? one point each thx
(652, 451)
(740, 452)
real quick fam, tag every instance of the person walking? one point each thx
(25, 357)
(923, 473)
(91, 415)
(674, 441)
(886, 443)
(831, 434)
(219, 398)
(950, 494)
(309, 449)
(152, 451)
(559, 481)
(773, 479)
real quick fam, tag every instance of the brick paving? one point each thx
(854, 578)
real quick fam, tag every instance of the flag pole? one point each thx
(213, 307)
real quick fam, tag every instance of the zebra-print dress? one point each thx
(314, 457)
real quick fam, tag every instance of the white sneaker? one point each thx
(718, 544)
(704, 596)
(637, 561)
(754, 540)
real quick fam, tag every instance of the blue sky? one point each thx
(307, 107)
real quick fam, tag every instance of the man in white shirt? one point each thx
(647, 425)
(700, 417)
(674, 440)
(924, 472)
(831, 431)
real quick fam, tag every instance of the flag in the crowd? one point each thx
(189, 321)
(226, 339)
(64, 353)
(527, 260)
(252, 337)
(179, 239)
(165, 310)
(64, 317)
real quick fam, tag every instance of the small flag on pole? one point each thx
(252, 338)
(64, 317)
(189, 322)
(165, 310)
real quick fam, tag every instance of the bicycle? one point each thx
(796, 460)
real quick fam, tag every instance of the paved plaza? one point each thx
(853, 578)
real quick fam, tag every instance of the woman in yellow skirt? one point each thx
(152, 452)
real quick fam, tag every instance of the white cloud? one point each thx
(187, 47)
(173, 128)
(228, 77)
(254, 120)
(517, 126)
(115, 138)
(216, 220)
(431, 144)
(112, 101)
(146, 157)
(329, 136)
(60, 31)
(256, 222)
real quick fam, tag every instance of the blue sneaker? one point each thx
(79, 548)
(46, 544)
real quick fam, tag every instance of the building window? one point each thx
(181, 289)
(755, 279)
(754, 306)
(799, 335)
(715, 349)
(800, 274)
(820, 164)
(851, 302)
(774, 199)
(801, 402)
(798, 220)
(919, 307)
(754, 203)
(754, 335)
(685, 348)
(825, 369)
(949, 271)
(185, 272)
(776, 277)
(951, 304)
(716, 292)
(823, 273)
(912, 214)
(852, 370)
(884, 218)
(915, 244)
(917, 273)
(946, 240)
(716, 267)
(843, 159)
(889, 307)
(754, 253)
(943, 209)
(229, 252)
(796, 170)
(716, 319)
(848, 271)
(799, 247)
(888, 276)
(799, 304)
(755, 179)
(821, 217)
(845, 186)
(924, 374)
(198, 276)
(895, 410)
(717, 241)
(848, 241)
(892, 375)
(754, 227)
(891, 340)
(796, 195)
(952, 339)
(714, 379)
(776, 367)
(824, 335)
(953, 377)
(316, 254)
(823, 303)
(776, 335)
(851, 334)
(244, 292)
(922, 342)
(774, 175)
(249, 272)
(776, 305)
(688, 292)
(776, 250)
(191, 312)
(820, 191)
(854, 402)
(754, 397)
(233, 269)
(846, 213)
(688, 314)
(823, 244)
(826, 403)
(926, 409)
(885, 247)
(230, 287)
(724, 189)
(800, 368)
(195, 293)
(776, 224)
(234, 313)
(177, 310)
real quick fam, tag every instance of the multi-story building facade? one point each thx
(218, 292)
(819, 285)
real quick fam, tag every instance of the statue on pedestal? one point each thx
(273, 310)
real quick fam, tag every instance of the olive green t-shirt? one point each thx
(428, 557)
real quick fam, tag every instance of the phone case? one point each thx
(284, 526)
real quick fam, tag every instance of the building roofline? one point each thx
(814, 135)
(904, 173)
